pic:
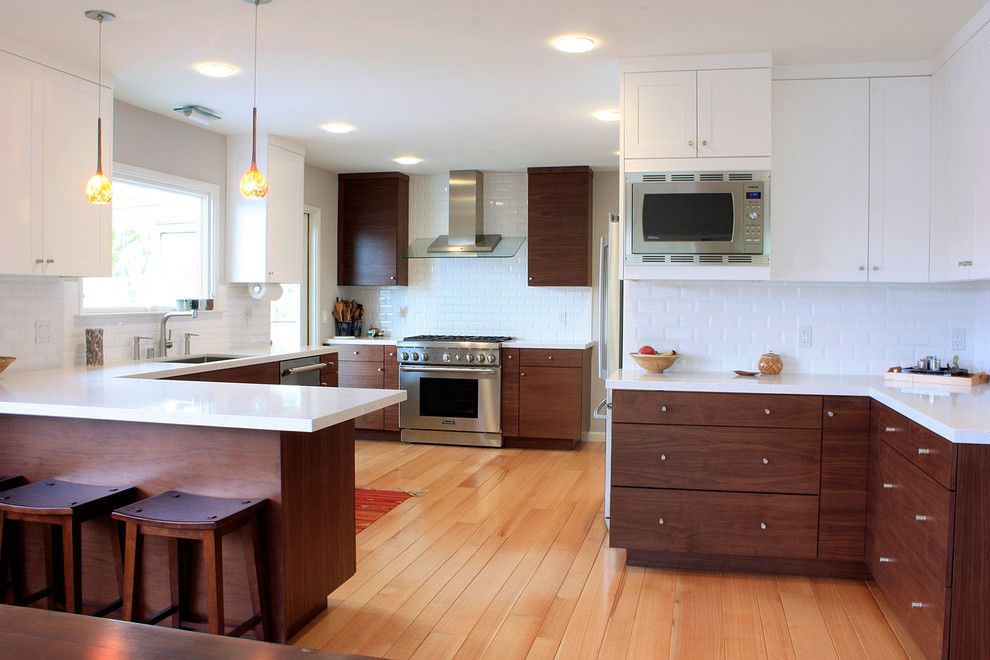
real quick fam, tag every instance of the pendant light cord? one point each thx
(256, 3)
(99, 100)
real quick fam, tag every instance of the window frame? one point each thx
(210, 248)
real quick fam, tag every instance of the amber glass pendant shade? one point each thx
(99, 189)
(254, 185)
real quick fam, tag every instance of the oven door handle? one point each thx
(295, 371)
(449, 370)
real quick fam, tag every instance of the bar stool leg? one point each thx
(72, 566)
(132, 568)
(255, 573)
(175, 580)
(6, 576)
(213, 570)
(53, 572)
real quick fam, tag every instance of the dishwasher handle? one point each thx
(295, 371)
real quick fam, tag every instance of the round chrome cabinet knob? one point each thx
(469, 357)
(491, 358)
(404, 356)
(446, 357)
(415, 356)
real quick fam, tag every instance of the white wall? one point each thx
(321, 192)
(147, 140)
(856, 329)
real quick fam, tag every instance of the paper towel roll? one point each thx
(265, 291)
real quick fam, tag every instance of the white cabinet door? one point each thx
(734, 110)
(77, 234)
(964, 128)
(981, 238)
(660, 115)
(942, 268)
(21, 136)
(287, 237)
(820, 189)
(900, 179)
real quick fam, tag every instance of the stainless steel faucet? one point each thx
(165, 337)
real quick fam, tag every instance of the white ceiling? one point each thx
(461, 83)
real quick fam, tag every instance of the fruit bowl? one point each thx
(5, 361)
(654, 363)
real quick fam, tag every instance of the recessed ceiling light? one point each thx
(574, 44)
(408, 160)
(337, 127)
(608, 115)
(216, 69)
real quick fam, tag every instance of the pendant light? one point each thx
(98, 188)
(254, 185)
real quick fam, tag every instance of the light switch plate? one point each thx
(959, 339)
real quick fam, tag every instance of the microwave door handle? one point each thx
(603, 279)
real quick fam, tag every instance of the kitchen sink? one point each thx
(201, 359)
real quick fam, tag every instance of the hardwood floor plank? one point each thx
(741, 620)
(809, 632)
(698, 627)
(618, 631)
(653, 626)
(776, 633)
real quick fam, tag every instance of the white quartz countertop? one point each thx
(961, 415)
(515, 343)
(135, 392)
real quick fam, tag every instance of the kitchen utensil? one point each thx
(740, 372)
(6, 361)
(770, 364)
(654, 363)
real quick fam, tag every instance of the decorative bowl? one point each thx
(5, 361)
(654, 363)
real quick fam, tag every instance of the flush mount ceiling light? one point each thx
(254, 185)
(216, 69)
(574, 44)
(98, 188)
(337, 127)
(408, 160)
(608, 115)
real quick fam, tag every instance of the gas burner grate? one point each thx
(464, 338)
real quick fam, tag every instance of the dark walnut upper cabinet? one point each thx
(372, 229)
(560, 226)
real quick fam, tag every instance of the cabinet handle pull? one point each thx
(916, 604)
(381, 369)
(766, 411)
(763, 525)
(357, 352)
(920, 518)
(330, 364)
(549, 357)
(663, 408)
(522, 373)
(830, 414)
(392, 277)
(886, 560)
(704, 143)
(766, 461)
(862, 267)
(39, 261)
(690, 143)
(323, 384)
(889, 429)
(889, 486)
(966, 263)
(923, 451)
(659, 521)
(49, 261)
(663, 457)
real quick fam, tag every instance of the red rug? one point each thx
(370, 505)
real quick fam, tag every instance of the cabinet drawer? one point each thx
(919, 601)
(716, 458)
(362, 353)
(911, 514)
(713, 409)
(744, 524)
(372, 372)
(536, 357)
(935, 455)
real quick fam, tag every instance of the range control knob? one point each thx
(415, 356)
(481, 357)
(426, 356)
(404, 356)
(753, 215)
(469, 357)
(446, 357)
(457, 357)
(491, 358)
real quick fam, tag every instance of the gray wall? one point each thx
(321, 192)
(606, 200)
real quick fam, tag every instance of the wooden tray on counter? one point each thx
(907, 377)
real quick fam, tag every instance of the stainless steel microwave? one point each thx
(705, 218)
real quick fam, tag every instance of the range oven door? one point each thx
(697, 217)
(466, 399)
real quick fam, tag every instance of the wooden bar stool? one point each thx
(6, 580)
(184, 516)
(63, 506)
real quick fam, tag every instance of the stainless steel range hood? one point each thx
(465, 237)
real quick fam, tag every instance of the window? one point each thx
(163, 228)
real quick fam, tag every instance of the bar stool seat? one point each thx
(181, 516)
(64, 506)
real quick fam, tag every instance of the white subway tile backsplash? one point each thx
(856, 328)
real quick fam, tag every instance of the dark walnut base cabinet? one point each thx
(810, 485)
(373, 367)
(545, 397)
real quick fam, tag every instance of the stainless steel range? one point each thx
(453, 386)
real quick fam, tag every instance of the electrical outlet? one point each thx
(44, 332)
(804, 336)
(959, 339)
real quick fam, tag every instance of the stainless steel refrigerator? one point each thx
(609, 332)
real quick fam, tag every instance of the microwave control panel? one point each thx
(753, 215)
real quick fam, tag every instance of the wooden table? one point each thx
(307, 527)
(39, 635)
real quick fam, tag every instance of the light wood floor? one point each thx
(505, 555)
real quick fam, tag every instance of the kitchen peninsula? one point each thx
(139, 425)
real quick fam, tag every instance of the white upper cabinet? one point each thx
(48, 152)
(266, 238)
(819, 194)
(734, 109)
(660, 115)
(961, 225)
(900, 179)
(718, 113)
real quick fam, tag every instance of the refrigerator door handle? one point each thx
(603, 406)
(603, 267)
